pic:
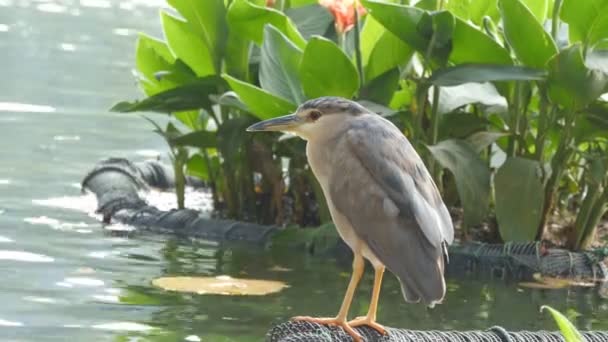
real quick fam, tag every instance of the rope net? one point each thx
(313, 332)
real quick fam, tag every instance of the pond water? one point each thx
(65, 277)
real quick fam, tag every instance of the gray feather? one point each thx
(384, 167)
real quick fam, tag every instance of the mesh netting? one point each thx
(117, 183)
(523, 260)
(312, 332)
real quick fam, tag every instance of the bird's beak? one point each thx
(282, 123)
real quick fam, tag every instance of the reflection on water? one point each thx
(66, 277)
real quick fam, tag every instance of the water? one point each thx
(65, 277)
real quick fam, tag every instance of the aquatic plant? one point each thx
(501, 94)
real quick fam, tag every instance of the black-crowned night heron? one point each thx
(382, 200)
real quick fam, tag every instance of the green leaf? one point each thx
(585, 20)
(381, 88)
(451, 98)
(571, 334)
(190, 96)
(470, 45)
(335, 76)
(236, 58)
(200, 139)
(261, 103)
(249, 20)
(202, 168)
(465, 73)
(532, 45)
(381, 50)
(460, 125)
(471, 174)
(437, 27)
(310, 20)
(538, 8)
(208, 20)
(190, 118)
(571, 83)
(187, 45)
(401, 20)
(279, 65)
(473, 10)
(152, 56)
(481, 140)
(519, 199)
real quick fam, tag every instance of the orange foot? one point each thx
(332, 321)
(365, 320)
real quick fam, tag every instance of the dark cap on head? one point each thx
(332, 104)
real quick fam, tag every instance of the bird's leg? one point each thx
(340, 319)
(370, 318)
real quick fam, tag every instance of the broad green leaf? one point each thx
(532, 45)
(190, 96)
(519, 197)
(473, 10)
(437, 27)
(538, 8)
(401, 20)
(190, 118)
(381, 88)
(460, 125)
(197, 167)
(466, 73)
(471, 174)
(470, 45)
(599, 30)
(236, 58)
(571, 83)
(571, 334)
(152, 56)
(200, 139)
(249, 20)
(585, 20)
(381, 50)
(208, 20)
(260, 103)
(187, 45)
(335, 76)
(481, 140)
(451, 98)
(311, 20)
(279, 65)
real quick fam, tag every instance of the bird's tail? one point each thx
(421, 276)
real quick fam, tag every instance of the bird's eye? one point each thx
(314, 115)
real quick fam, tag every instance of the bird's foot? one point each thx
(332, 321)
(366, 320)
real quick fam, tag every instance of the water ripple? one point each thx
(24, 256)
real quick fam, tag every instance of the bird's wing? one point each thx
(396, 167)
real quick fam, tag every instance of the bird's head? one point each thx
(315, 119)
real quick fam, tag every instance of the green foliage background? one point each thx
(503, 98)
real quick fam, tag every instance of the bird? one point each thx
(382, 200)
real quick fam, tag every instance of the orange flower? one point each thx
(343, 12)
(270, 3)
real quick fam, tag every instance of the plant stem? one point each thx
(558, 166)
(514, 109)
(180, 178)
(358, 57)
(555, 19)
(435, 169)
(600, 207)
(541, 130)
